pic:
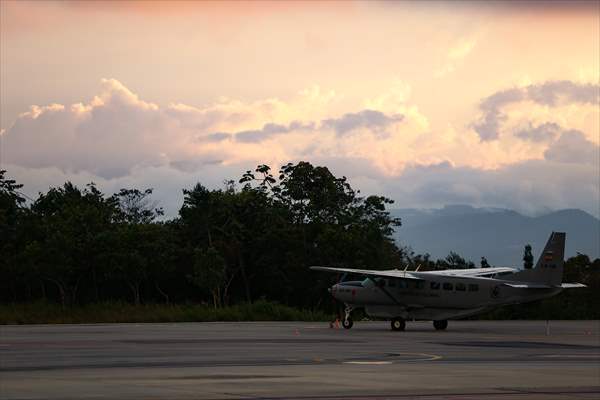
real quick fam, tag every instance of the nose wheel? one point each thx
(347, 322)
(440, 325)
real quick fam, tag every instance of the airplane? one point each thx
(401, 295)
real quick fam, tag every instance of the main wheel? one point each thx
(440, 325)
(347, 323)
(398, 324)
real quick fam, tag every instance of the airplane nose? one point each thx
(333, 289)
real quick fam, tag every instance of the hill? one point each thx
(497, 234)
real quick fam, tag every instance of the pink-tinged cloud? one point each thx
(117, 139)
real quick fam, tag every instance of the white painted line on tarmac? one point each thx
(572, 355)
(368, 362)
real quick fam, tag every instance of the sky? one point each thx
(492, 104)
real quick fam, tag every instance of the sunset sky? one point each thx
(489, 104)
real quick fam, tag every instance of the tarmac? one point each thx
(302, 360)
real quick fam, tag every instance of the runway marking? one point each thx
(396, 359)
(571, 355)
(420, 356)
(368, 362)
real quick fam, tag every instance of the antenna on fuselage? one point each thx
(418, 266)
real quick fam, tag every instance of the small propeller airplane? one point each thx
(401, 295)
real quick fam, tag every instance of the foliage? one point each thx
(485, 263)
(527, 257)
(237, 249)
(51, 313)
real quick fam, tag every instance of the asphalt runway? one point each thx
(471, 360)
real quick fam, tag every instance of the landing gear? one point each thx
(347, 322)
(398, 324)
(440, 325)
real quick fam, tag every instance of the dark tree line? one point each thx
(250, 240)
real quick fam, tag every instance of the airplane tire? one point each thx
(440, 325)
(398, 324)
(347, 323)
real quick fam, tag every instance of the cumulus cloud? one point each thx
(374, 121)
(370, 119)
(529, 186)
(269, 130)
(119, 140)
(573, 147)
(117, 131)
(540, 133)
(551, 93)
(107, 136)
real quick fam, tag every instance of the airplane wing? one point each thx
(472, 272)
(542, 286)
(391, 273)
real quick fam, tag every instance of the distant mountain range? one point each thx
(498, 234)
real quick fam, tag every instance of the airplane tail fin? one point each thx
(549, 268)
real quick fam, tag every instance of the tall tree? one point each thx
(485, 263)
(11, 221)
(71, 219)
(527, 257)
(209, 273)
(136, 206)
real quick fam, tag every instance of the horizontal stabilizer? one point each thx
(390, 273)
(528, 286)
(572, 285)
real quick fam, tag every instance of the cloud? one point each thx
(554, 92)
(530, 186)
(117, 131)
(551, 93)
(119, 140)
(573, 147)
(541, 133)
(107, 137)
(374, 121)
(370, 119)
(269, 130)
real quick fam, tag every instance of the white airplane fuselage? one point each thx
(436, 297)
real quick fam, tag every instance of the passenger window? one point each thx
(473, 287)
(402, 284)
(391, 283)
(448, 286)
(434, 285)
(420, 285)
(461, 287)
